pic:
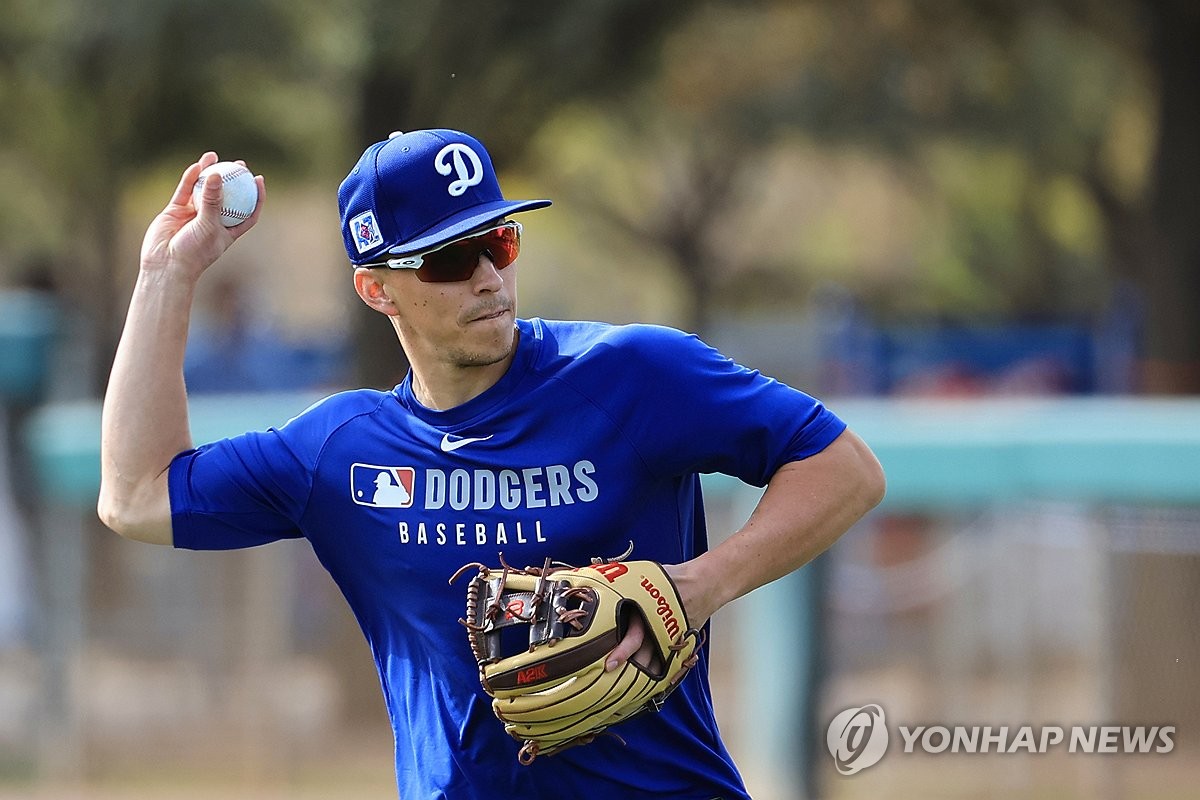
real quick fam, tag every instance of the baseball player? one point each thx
(528, 437)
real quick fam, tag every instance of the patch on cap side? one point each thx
(365, 232)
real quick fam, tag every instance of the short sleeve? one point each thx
(239, 492)
(699, 411)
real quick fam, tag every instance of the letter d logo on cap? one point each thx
(466, 177)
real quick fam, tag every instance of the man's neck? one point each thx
(444, 386)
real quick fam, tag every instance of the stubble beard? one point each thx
(502, 349)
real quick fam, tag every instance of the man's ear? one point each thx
(373, 291)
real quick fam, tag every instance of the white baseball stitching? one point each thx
(226, 178)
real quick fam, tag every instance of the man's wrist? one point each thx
(167, 275)
(699, 588)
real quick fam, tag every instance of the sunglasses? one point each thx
(456, 260)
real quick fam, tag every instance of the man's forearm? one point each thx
(145, 417)
(807, 505)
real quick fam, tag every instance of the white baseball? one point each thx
(239, 192)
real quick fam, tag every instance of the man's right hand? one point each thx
(183, 237)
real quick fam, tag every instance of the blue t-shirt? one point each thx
(595, 436)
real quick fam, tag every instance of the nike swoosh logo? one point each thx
(450, 445)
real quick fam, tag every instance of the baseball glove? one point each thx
(541, 636)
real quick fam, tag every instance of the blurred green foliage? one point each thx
(955, 160)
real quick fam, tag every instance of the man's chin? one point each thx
(497, 348)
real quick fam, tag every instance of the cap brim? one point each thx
(464, 222)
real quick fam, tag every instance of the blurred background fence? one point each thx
(1034, 564)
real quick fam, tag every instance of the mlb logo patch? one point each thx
(382, 487)
(364, 229)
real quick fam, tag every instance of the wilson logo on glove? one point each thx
(663, 608)
(611, 570)
(552, 691)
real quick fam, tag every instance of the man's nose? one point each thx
(486, 277)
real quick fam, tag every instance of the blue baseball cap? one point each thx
(415, 191)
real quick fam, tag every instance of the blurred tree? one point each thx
(99, 93)
(1171, 270)
(1031, 153)
(671, 189)
(1041, 152)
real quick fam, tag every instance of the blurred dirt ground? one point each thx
(359, 768)
(928, 779)
(356, 766)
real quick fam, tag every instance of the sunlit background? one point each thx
(971, 227)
